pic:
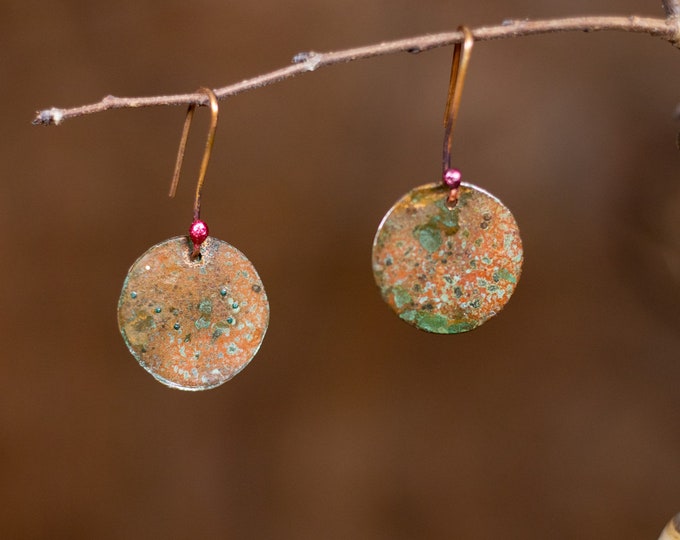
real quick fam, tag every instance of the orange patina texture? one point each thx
(193, 324)
(447, 270)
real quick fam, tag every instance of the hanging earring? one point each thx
(193, 310)
(447, 256)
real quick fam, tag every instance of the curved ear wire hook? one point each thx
(459, 65)
(214, 108)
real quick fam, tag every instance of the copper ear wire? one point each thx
(214, 109)
(459, 66)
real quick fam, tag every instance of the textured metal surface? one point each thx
(193, 324)
(447, 270)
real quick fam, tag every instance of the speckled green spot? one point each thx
(442, 224)
(429, 238)
(432, 322)
(221, 328)
(460, 327)
(408, 316)
(506, 275)
(205, 307)
(401, 297)
(202, 323)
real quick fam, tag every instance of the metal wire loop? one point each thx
(214, 109)
(459, 66)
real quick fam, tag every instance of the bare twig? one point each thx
(668, 29)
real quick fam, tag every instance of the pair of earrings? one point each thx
(446, 257)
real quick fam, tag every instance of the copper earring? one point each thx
(448, 255)
(193, 310)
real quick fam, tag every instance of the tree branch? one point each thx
(668, 29)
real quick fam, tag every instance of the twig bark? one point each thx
(668, 29)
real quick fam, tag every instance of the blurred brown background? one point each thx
(558, 419)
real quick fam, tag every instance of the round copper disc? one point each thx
(447, 270)
(193, 324)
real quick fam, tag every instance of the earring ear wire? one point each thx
(214, 110)
(198, 232)
(459, 67)
(459, 64)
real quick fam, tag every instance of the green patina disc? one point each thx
(193, 324)
(447, 270)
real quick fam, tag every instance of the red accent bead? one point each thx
(452, 178)
(198, 232)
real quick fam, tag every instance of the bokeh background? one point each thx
(557, 419)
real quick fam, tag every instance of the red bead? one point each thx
(452, 178)
(198, 232)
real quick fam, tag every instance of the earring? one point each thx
(447, 256)
(193, 310)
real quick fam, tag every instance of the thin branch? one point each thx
(668, 29)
